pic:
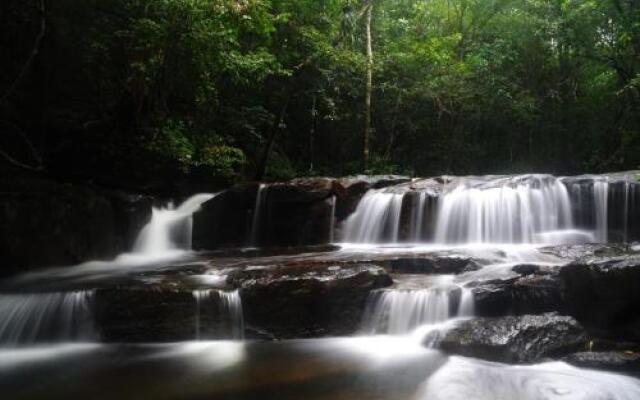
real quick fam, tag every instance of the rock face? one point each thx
(224, 221)
(604, 293)
(523, 295)
(46, 223)
(145, 314)
(515, 339)
(165, 312)
(294, 213)
(307, 300)
(616, 361)
(280, 301)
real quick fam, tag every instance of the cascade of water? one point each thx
(169, 228)
(514, 211)
(46, 317)
(257, 215)
(332, 218)
(625, 215)
(601, 202)
(400, 311)
(229, 314)
(376, 219)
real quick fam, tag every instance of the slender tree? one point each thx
(368, 10)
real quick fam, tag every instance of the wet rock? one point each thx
(302, 190)
(145, 315)
(587, 251)
(131, 212)
(224, 221)
(529, 294)
(516, 339)
(294, 213)
(307, 300)
(434, 265)
(159, 313)
(604, 293)
(616, 361)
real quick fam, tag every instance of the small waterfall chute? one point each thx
(401, 311)
(376, 219)
(47, 317)
(257, 216)
(226, 320)
(169, 228)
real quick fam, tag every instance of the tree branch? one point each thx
(32, 55)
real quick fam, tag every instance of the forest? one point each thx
(232, 90)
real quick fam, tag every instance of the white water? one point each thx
(169, 228)
(465, 378)
(46, 317)
(401, 311)
(68, 316)
(500, 210)
(513, 212)
(376, 219)
(601, 197)
(332, 218)
(418, 220)
(229, 312)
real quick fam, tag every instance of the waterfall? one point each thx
(228, 317)
(46, 317)
(517, 210)
(400, 311)
(376, 219)
(169, 228)
(332, 218)
(601, 202)
(257, 215)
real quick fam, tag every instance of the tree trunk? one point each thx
(369, 89)
(312, 132)
(262, 167)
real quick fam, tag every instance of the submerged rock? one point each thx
(519, 339)
(307, 300)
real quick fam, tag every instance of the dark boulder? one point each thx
(306, 300)
(604, 293)
(225, 220)
(538, 290)
(516, 339)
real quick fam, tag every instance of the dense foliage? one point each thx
(246, 88)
